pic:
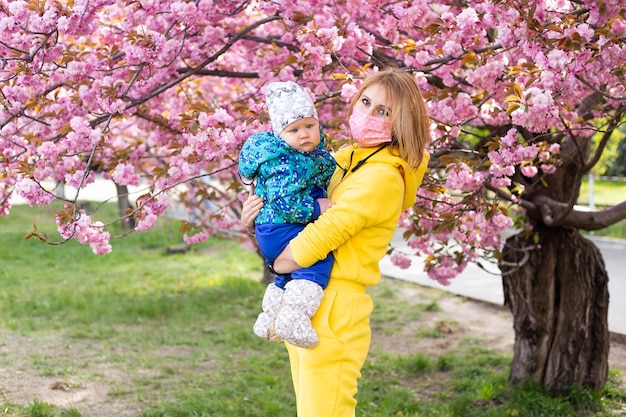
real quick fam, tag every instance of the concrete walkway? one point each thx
(477, 284)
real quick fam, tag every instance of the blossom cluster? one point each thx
(85, 231)
(161, 94)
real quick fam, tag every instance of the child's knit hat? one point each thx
(286, 103)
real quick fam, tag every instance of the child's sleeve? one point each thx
(248, 161)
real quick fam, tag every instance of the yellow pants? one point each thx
(325, 377)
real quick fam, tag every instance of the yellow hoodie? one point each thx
(362, 222)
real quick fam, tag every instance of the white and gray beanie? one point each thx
(286, 103)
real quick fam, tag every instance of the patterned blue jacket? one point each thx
(288, 180)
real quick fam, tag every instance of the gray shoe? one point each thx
(264, 325)
(301, 300)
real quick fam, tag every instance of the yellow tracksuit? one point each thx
(357, 229)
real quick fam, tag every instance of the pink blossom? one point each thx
(195, 239)
(400, 261)
(33, 193)
(505, 36)
(86, 232)
(18, 8)
(461, 177)
(114, 95)
(184, 11)
(146, 221)
(331, 37)
(124, 174)
(501, 221)
(501, 182)
(149, 211)
(78, 179)
(529, 170)
(222, 222)
(544, 156)
(548, 168)
(557, 59)
(501, 171)
(48, 150)
(452, 48)
(445, 269)
(582, 30)
(618, 27)
(468, 18)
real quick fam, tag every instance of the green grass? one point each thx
(606, 193)
(170, 336)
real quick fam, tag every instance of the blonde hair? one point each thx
(410, 125)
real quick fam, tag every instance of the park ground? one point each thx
(454, 321)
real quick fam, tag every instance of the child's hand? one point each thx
(325, 204)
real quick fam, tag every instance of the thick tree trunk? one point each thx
(558, 294)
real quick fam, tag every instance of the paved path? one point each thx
(477, 284)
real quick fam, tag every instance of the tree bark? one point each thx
(557, 291)
(124, 205)
(268, 277)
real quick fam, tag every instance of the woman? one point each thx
(376, 180)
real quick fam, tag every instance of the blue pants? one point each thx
(273, 238)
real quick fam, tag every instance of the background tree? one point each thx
(161, 94)
(618, 163)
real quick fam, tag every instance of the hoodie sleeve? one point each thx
(365, 203)
(413, 179)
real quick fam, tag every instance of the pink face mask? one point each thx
(369, 130)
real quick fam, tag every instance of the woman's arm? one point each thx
(285, 263)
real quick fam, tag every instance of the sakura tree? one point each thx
(159, 96)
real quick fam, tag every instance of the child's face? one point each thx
(303, 134)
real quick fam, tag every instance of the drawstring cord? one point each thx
(360, 163)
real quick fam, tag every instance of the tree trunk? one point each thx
(558, 294)
(124, 205)
(268, 277)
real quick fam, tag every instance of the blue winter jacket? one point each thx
(288, 180)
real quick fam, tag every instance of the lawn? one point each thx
(140, 333)
(606, 193)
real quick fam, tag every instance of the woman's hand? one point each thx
(251, 208)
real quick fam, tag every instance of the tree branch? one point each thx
(31, 55)
(596, 220)
(552, 215)
(597, 90)
(220, 73)
(271, 41)
(196, 70)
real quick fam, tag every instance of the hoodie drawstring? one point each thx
(361, 162)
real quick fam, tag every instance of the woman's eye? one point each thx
(365, 101)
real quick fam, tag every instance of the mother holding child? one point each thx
(376, 178)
